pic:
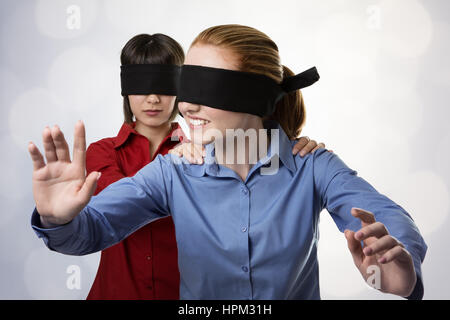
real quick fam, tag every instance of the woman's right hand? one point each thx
(60, 187)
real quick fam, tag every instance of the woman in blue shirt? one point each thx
(245, 229)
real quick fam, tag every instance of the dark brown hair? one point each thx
(259, 54)
(146, 49)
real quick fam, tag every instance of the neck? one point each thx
(244, 148)
(154, 134)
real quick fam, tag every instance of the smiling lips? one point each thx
(197, 122)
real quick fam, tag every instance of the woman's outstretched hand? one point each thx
(393, 261)
(60, 186)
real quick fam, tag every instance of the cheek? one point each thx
(168, 102)
(223, 119)
(182, 107)
(135, 101)
(214, 114)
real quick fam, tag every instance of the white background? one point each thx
(381, 104)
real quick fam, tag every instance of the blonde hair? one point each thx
(259, 54)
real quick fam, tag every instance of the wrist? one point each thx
(48, 223)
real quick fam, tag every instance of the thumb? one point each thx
(89, 186)
(355, 247)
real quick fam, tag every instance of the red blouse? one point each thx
(145, 264)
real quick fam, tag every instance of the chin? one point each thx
(154, 122)
(202, 140)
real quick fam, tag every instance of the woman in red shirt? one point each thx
(144, 265)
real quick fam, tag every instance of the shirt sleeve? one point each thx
(117, 211)
(340, 189)
(100, 157)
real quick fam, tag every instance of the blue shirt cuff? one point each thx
(418, 291)
(55, 235)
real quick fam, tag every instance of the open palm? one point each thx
(60, 186)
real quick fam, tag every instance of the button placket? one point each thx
(244, 221)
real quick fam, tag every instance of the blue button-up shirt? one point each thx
(252, 239)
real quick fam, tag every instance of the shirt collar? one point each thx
(283, 152)
(128, 129)
(284, 149)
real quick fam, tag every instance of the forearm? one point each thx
(108, 218)
(397, 221)
(341, 190)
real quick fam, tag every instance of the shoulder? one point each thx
(320, 157)
(109, 144)
(328, 166)
(101, 150)
(324, 159)
(322, 162)
(165, 162)
(105, 144)
(172, 161)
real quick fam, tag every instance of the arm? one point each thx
(340, 190)
(62, 194)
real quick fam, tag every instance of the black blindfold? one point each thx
(144, 79)
(236, 90)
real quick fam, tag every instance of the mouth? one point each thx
(195, 122)
(152, 112)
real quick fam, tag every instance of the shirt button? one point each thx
(245, 269)
(244, 229)
(149, 257)
(244, 190)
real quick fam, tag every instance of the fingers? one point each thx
(49, 146)
(383, 244)
(366, 217)
(177, 150)
(36, 157)
(62, 149)
(320, 145)
(308, 148)
(355, 247)
(396, 253)
(200, 151)
(79, 144)
(192, 152)
(89, 186)
(305, 146)
(301, 143)
(376, 229)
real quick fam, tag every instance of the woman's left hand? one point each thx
(306, 145)
(394, 262)
(192, 152)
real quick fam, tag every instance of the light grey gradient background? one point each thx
(381, 105)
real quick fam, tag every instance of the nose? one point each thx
(188, 108)
(153, 98)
